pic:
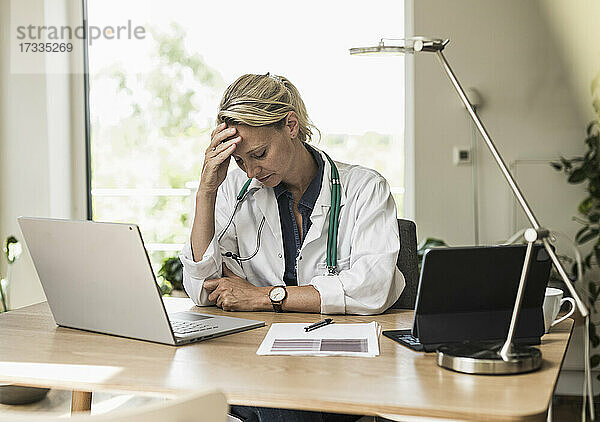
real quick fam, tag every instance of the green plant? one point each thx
(12, 250)
(165, 287)
(172, 272)
(586, 169)
(428, 243)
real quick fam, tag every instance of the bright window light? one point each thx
(153, 101)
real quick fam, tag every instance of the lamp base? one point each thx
(484, 358)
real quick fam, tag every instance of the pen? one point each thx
(319, 324)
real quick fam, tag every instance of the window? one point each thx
(153, 101)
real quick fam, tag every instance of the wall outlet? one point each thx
(461, 155)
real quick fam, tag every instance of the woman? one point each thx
(279, 233)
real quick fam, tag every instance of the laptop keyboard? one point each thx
(187, 327)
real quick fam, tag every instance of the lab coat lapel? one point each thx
(267, 203)
(320, 214)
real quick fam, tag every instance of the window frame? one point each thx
(86, 105)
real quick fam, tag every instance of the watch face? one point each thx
(277, 294)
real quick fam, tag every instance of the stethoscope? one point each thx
(332, 232)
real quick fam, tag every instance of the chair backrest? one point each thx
(408, 264)
(206, 407)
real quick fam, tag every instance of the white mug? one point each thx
(552, 303)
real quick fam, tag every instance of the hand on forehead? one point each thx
(253, 137)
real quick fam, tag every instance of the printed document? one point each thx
(330, 340)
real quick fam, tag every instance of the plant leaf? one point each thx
(590, 127)
(590, 169)
(581, 233)
(577, 176)
(596, 105)
(592, 142)
(586, 205)
(593, 336)
(431, 243)
(557, 166)
(567, 164)
(594, 361)
(587, 262)
(588, 236)
(597, 254)
(594, 188)
(574, 269)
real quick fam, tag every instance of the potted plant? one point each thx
(171, 276)
(14, 394)
(426, 244)
(586, 169)
(12, 251)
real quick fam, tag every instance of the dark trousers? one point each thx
(269, 414)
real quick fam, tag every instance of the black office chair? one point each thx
(408, 263)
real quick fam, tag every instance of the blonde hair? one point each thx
(264, 100)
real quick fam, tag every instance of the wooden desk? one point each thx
(34, 351)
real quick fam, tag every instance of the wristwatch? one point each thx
(277, 295)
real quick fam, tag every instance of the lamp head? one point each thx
(402, 46)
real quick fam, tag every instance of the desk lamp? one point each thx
(482, 357)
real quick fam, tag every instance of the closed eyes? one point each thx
(256, 156)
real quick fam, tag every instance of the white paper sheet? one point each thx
(331, 340)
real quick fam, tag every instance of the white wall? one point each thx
(507, 52)
(41, 148)
(576, 34)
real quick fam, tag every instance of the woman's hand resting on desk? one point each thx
(233, 293)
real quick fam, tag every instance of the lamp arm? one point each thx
(511, 181)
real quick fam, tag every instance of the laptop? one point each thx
(468, 293)
(97, 277)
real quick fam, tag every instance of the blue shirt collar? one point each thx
(314, 188)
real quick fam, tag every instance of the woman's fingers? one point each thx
(221, 136)
(218, 128)
(214, 295)
(224, 155)
(210, 284)
(219, 301)
(224, 145)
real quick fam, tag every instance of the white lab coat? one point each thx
(368, 281)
